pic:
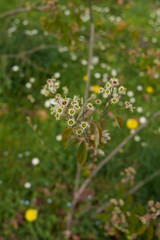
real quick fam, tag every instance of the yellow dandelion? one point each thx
(132, 123)
(150, 89)
(95, 88)
(85, 78)
(31, 214)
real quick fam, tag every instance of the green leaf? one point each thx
(65, 137)
(119, 121)
(82, 153)
(150, 232)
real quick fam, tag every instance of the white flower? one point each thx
(84, 62)
(142, 120)
(15, 68)
(130, 93)
(97, 75)
(105, 136)
(132, 100)
(59, 138)
(67, 12)
(27, 185)
(28, 85)
(47, 103)
(57, 75)
(35, 161)
(139, 109)
(25, 22)
(114, 73)
(95, 60)
(139, 88)
(137, 138)
(53, 102)
(32, 79)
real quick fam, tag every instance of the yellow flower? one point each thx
(127, 6)
(31, 214)
(95, 88)
(150, 89)
(132, 123)
(85, 78)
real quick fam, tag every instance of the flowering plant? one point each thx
(86, 120)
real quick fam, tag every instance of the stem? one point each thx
(78, 173)
(91, 42)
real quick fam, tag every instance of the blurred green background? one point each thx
(37, 45)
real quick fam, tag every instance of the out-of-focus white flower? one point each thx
(15, 68)
(139, 88)
(35, 161)
(137, 138)
(97, 75)
(47, 103)
(27, 185)
(130, 93)
(84, 62)
(67, 12)
(132, 100)
(57, 75)
(139, 109)
(114, 73)
(28, 85)
(25, 22)
(95, 60)
(59, 138)
(32, 79)
(142, 120)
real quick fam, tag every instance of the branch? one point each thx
(131, 191)
(91, 42)
(29, 52)
(23, 10)
(113, 153)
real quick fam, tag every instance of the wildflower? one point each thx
(58, 116)
(77, 107)
(122, 90)
(35, 161)
(105, 136)
(53, 102)
(114, 100)
(130, 93)
(150, 89)
(132, 123)
(85, 78)
(84, 125)
(108, 85)
(142, 120)
(98, 101)
(101, 90)
(28, 85)
(65, 102)
(27, 185)
(71, 122)
(57, 75)
(15, 68)
(59, 138)
(95, 88)
(59, 110)
(114, 82)
(31, 214)
(90, 106)
(97, 75)
(79, 131)
(107, 91)
(71, 111)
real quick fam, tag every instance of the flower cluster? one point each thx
(128, 175)
(83, 125)
(113, 91)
